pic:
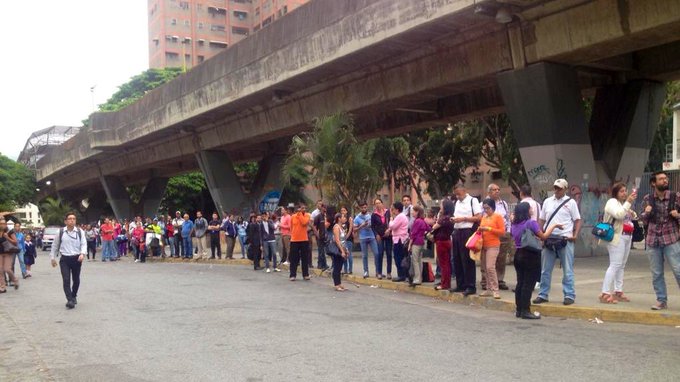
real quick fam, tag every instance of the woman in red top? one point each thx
(492, 228)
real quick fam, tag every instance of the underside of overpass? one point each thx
(397, 66)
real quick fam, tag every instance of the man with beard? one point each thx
(660, 214)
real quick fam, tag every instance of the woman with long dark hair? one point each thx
(349, 240)
(527, 260)
(338, 251)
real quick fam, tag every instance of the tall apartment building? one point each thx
(184, 33)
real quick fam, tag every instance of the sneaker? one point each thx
(660, 306)
(496, 295)
(286, 263)
(539, 300)
(568, 301)
(365, 275)
(277, 270)
(136, 260)
(268, 270)
(486, 293)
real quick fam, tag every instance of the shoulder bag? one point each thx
(555, 242)
(529, 241)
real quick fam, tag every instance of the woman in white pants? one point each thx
(618, 212)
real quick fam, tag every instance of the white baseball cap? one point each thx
(561, 183)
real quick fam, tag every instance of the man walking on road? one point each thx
(660, 212)
(562, 211)
(71, 244)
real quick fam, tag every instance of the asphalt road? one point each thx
(190, 322)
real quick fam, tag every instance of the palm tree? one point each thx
(53, 211)
(334, 161)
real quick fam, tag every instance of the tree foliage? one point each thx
(17, 184)
(135, 89)
(498, 147)
(334, 161)
(664, 133)
(53, 211)
(187, 192)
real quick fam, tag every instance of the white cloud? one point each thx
(54, 51)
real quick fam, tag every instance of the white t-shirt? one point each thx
(566, 216)
(467, 207)
(535, 207)
(502, 209)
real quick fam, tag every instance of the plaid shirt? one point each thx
(662, 229)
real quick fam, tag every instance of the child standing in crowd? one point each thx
(29, 254)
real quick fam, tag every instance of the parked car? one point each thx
(49, 234)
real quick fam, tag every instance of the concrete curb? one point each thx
(577, 312)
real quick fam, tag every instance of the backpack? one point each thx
(61, 233)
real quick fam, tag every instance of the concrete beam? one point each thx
(117, 196)
(622, 127)
(223, 183)
(153, 195)
(268, 178)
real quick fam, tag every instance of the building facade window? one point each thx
(239, 31)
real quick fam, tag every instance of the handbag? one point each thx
(638, 231)
(529, 241)
(8, 247)
(406, 263)
(555, 243)
(427, 274)
(475, 255)
(332, 248)
(604, 231)
(474, 242)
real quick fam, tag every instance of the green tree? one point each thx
(53, 211)
(17, 184)
(498, 148)
(187, 192)
(440, 155)
(664, 132)
(336, 163)
(136, 88)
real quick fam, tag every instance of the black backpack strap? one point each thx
(555, 213)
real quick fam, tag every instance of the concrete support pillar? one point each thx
(223, 184)
(117, 196)
(96, 208)
(548, 119)
(622, 127)
(152, 196)
(267, 186)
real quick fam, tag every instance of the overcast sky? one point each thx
(55, 51)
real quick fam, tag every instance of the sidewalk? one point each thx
(589, 273)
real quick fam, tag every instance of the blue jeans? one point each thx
(171, 244)
(188, 247)
(22, 265)
(242, 240)
(365, 243)
(347, 265)
(385, 246)
(656, 257)
(269, 251)
(566, 256)
(108, 250)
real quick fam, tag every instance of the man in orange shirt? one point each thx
(299, 242)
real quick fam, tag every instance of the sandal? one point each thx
(340, 289)
(606, 298)
(619, 296)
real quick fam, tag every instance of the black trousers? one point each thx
(528, 267)
(91, 248)
(338, 260)
(463, 266)
(257, 254)
(179, 248)
(299, 251)
(215, 245)
(70, 268)
(321, 259)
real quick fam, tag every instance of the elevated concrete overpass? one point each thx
(397, 65)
